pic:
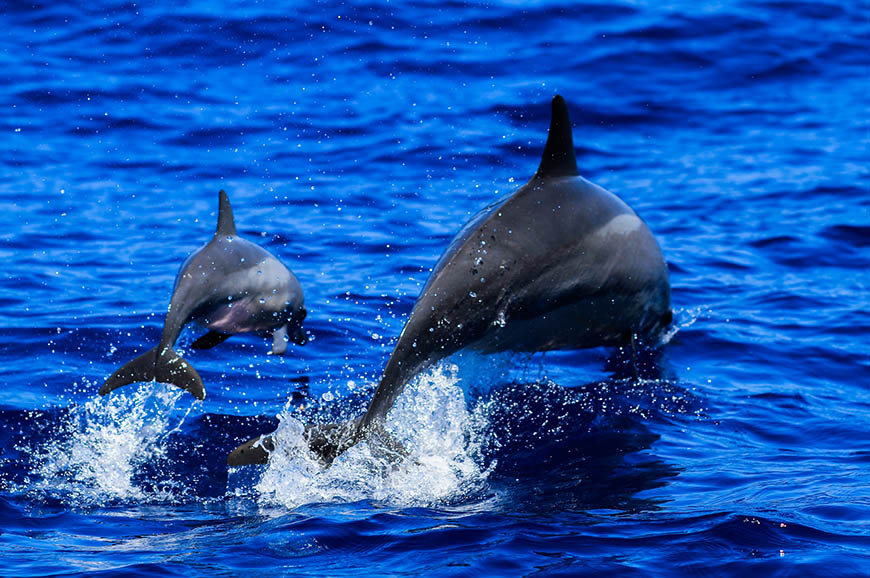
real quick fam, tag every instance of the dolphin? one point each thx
(229, 286)
(559, 264)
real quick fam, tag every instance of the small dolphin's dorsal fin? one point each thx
(558, 159)
(226, 226)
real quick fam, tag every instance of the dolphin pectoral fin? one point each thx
(279, 340)
(252, 452)
(209, 340)
(167, 367)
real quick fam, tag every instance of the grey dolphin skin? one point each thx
(559, 264)
(229, 286)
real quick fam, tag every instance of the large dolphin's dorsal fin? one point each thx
(226, 226)
(558, 159)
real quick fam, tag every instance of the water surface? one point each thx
(355, 139)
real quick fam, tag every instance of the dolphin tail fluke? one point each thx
(252, 453)
(329, 440)
(326, 441)
(168, 367)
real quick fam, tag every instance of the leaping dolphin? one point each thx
(559, 264)
(229, 286)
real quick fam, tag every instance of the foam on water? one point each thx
(433, 423)
(99, 447)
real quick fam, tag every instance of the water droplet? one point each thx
(327, 396)
(472, 294)
(500, 321)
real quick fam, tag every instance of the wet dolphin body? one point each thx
(229, 286)
(560, 264)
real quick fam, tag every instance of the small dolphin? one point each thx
(229, 286)
(560, 264)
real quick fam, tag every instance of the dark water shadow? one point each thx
(587, 447)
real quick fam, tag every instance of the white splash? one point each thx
(683, 319)
(430, 420)
(96, 452)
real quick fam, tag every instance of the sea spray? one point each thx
(430, 420)
(98, 449)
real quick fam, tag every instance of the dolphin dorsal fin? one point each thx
(558, 159)
(226, 226)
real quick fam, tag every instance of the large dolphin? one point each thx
(559, 264)
(229, 286)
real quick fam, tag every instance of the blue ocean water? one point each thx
(355, 138)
